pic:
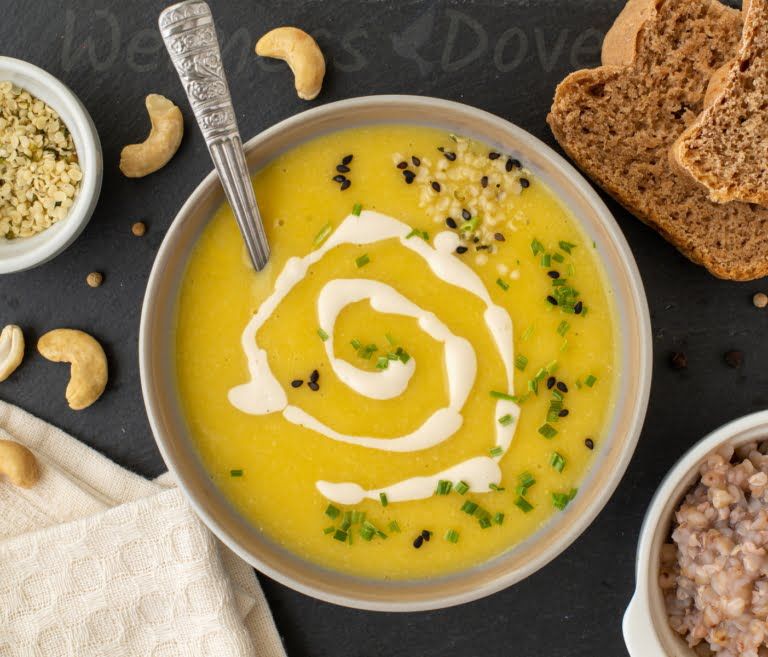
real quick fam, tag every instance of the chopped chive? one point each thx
(367, 533)
(356, 344)
(382, 363)
(347, 520)
(498, 518)
(496, 487)
(469, 507)
(332, 511)
(557, 395)
(546, 260)
(469, 225)
(329, 530)
(380, 534)
(496, 451)
(541, 374)
(393, 527)
(383, 499)
(557, 461)
(443, 487)
(558, 257)
(324, 232)
(362, 261)
(461, 488)
(358, 517)
(564, 346)
(402, 355)
(579, 384)
(392, 356)
(571, 270)
(357, 209)
(528, 333)
(548, 431)
(236, 473)
(452, 536)
(566, 246)
(561, 500)
(506, 420)
(367, 351)
(503, 395)
(485, 522)
(537, 247)
(555, 406)
(533, 386)
(563, 328)
(521, 362)
(551, 367)
(323, 335)
(390, 339)
(590, 381)
(524, 505)
(503, 285)
(423, 234)
(340, 535)
(526, 479)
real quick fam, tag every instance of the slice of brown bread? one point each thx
(619, 121)
(726, 148)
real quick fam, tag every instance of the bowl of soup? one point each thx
(437, 381)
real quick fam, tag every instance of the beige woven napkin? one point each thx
(95, 560)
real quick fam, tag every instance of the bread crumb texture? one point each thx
(619, 122)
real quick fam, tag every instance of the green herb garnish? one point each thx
(566, 246)
(332, 511)
(537, 247)
(548, 431)
(423, 234)
(235, 473)
(558, 257)
(356, 344)
(452, 536)
(563, 328)
(443, 487)
(557, 461)
(503, 395)
(340, 535)
(329, 530)
(382, 363)
(383, 499)
(461, 488)
(498, 518)
(469, 507)
(357, 209)
(323, 234)
(521, 362)
(393, 527)
(524, 505)
(323, 335)
(503, 285)
(546, 261)
(496, 451)
(561, 500)
(590, 381)
(506, 420)
(362, 261)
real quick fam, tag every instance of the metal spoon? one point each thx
(190, 37)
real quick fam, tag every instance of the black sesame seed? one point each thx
(525, 183)
(416, 161)
(347, 159)
(465, 215)
(516, 163)
(563, 413)
(436, 185)
(418, 542)
(313, 386)
(589, 443)
(450, 156)
(552, 300)
(345, 185)
(498, 237)
(553, 274)
(493, 155)
(484, 181)
(578, 307)
(339, 178)
(342, 168)
(297, 383)
(483, 247)
(409, 176)
(461, 249)
(475, 240)
(314, 376)
(441, 149)
(426, 534)
(402, 165)
(551, 382)
(509, 164)
(562, 387)
(450, 222)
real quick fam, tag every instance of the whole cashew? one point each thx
(18, 464)
(138, 160)
(301, 52)
(88, 376)
(11, 350)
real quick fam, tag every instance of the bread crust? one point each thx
(591, 106)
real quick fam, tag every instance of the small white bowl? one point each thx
(646, 630)
(27, 252)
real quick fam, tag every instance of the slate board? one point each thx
(502, 56)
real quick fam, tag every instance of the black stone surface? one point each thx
(502, 56)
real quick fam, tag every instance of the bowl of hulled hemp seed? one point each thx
(50, 166)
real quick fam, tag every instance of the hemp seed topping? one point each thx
(39, 170)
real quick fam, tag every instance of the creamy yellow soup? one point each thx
(269, 467)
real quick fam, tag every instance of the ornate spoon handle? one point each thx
(190, 37)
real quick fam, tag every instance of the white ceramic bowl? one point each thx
(646, 630)
(156, 348)
(27, 252)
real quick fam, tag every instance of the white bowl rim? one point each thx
(639, 303)
(44, 246)
(639, 629)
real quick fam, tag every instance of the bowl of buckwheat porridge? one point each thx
(702, 559)
(50, 166)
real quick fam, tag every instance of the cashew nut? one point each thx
(18, 464)
(138, 160)
(88, 376)
(11, 350)
(301, 52)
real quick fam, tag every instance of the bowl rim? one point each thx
(42, 247)
(641, 620)
(637, 301)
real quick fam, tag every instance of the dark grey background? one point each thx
(502, 56)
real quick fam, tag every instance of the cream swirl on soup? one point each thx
(264, 394)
